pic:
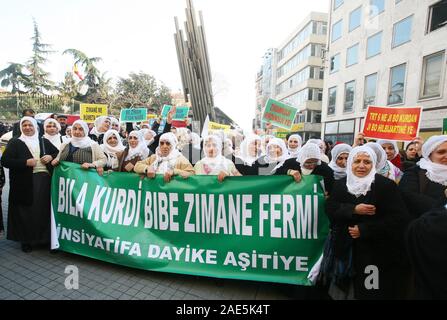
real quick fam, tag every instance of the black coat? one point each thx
(21, 176)
(421, 194)
(254, 170)
(381, 241)
(321, 170)
(427, 247)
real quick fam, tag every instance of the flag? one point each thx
(76, 72)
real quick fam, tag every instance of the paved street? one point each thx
(40, 275)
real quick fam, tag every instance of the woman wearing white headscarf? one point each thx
(385, 167)
(52, 132)
(102, 125)
(250, 161)
(135, 151)
(167, 160)
(294, 144)
(339, 160)
(275, 157)
(68, 133)
(425, 186)
(112, 148)
(214, 163)
(392, 152)
(82, 150)
(28, 158)
(320, 143)
(368, 220)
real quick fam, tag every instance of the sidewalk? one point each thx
(40, 275)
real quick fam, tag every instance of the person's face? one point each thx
(77, 131)
(310, 164)
(211, 149)
(275, 151)
(62, 122)
(148, 136)
(360, 139)
(28, 128)
(293, 143)
(362, 165)
(439, 156)
(116, 126)
(389, 149)
(411, 151)
(165, 148)
(342, 159)
(105, 125)
(112, 141)
(133, 141)
(253, 148)
(68, 132)
(29, 114)
(51, 128)
(174, 130)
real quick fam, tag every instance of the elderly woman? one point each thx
(368, 219)
(424, 186)
(28, 159)
(135, 151)
(384, 167)
(52, 132)
(214, 163)
(112, 148)
(392, 152)
(249, 161)
(294, 143)
(167, 160)
(82, 150)
(320, 143)
(340, 154)
(275, 157)
(102, 125)
(309, 162)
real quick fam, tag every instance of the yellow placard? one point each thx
(89, 112)
(218, 126)
(151, 116)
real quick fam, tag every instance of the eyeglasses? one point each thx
(162, 143)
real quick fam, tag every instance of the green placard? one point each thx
(181, 112)
(279, 114)
(444, 126)
(261, 228)
(133, 115)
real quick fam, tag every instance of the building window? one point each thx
(337, 30)
(355, 18)
(352, 55)
(332, 100)
(369, 98)
(335, 63)
(349, 96)
(438, 16)
(402, 31)
(337, 3)
(397, 1)
(374, 45)
(376, 7)
(397, 84)
(431, 75)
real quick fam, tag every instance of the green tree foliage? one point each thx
(13, 76)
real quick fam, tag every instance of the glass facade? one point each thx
(374, 45)
(349, 96)
(432, 74)
(311, 50)
(352, 55)
(369, 98)
(337, 30)
(402, 31)
(355, 19)
(397, 84)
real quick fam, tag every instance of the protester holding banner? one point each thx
(368, 220)
(424, 186)
(52, 132)
(385, 167)
(135, 151)
(275, 157)
(102, 125)
(167, 161)
(392, 152)
(28, 159)
(249, 162)
(340, 154)
(214, 163)
(112, 147)
(82, 150)
(320, 143)
(294, 143)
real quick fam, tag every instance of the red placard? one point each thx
(392, 123)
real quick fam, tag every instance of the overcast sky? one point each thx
(137, 35)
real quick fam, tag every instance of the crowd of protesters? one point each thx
(386, 206)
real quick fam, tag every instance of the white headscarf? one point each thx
(163, 164)
(309, 151)
(107, 148)
(228, 147)
(83, 142)
(195, 140)
(356, 185)
(98, 124)
(282, 158)
(66, 135)
(32, 142)
(245, 153)
(114, 121)
(339, 172)
(140, 150)
(214, 165)
(294, 152)
(56, 138)
(394, 143)
(144, 132)
(435, 172)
